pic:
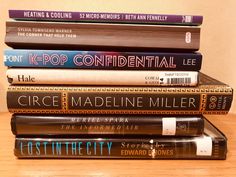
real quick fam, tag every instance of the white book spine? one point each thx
(102, 77)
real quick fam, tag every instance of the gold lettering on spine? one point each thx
(133, 152)
(202, 91)
(160, 152)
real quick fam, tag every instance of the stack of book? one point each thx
(111, 85)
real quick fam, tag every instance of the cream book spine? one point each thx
(101, 77)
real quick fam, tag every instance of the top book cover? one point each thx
(99, 17)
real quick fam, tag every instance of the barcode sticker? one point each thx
(168, 126)
(176, 81)
(178, 78)
(204, 146)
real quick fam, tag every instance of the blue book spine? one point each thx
(103, 60)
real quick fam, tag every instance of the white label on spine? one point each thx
(188, 37)
(187, 19)
(179, 78)
(168, 126)
(204, 146)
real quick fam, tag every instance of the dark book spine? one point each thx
(161, 148)
(100, 36)
(109, 125)
(103, 60)
(119, 100)
(106, 17)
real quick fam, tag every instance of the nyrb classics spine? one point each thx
(101, 77)
(115, 125)
(211, 145)
(120, 100)
(103, 60)
(106, 17)
(101, 36)
(203, 147)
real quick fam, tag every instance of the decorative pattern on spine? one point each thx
(206, 99)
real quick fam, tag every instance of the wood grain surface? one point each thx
(10, 166)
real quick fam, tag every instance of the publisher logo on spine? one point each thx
(187, 19)
(213, 101)
(188, 37)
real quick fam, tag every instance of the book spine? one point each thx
(119, 100)
(101, 77)
(103, 60)
(109, 125)
(100, 36)
(106, 17)
(162, 148)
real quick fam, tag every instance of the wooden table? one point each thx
(10, 166)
